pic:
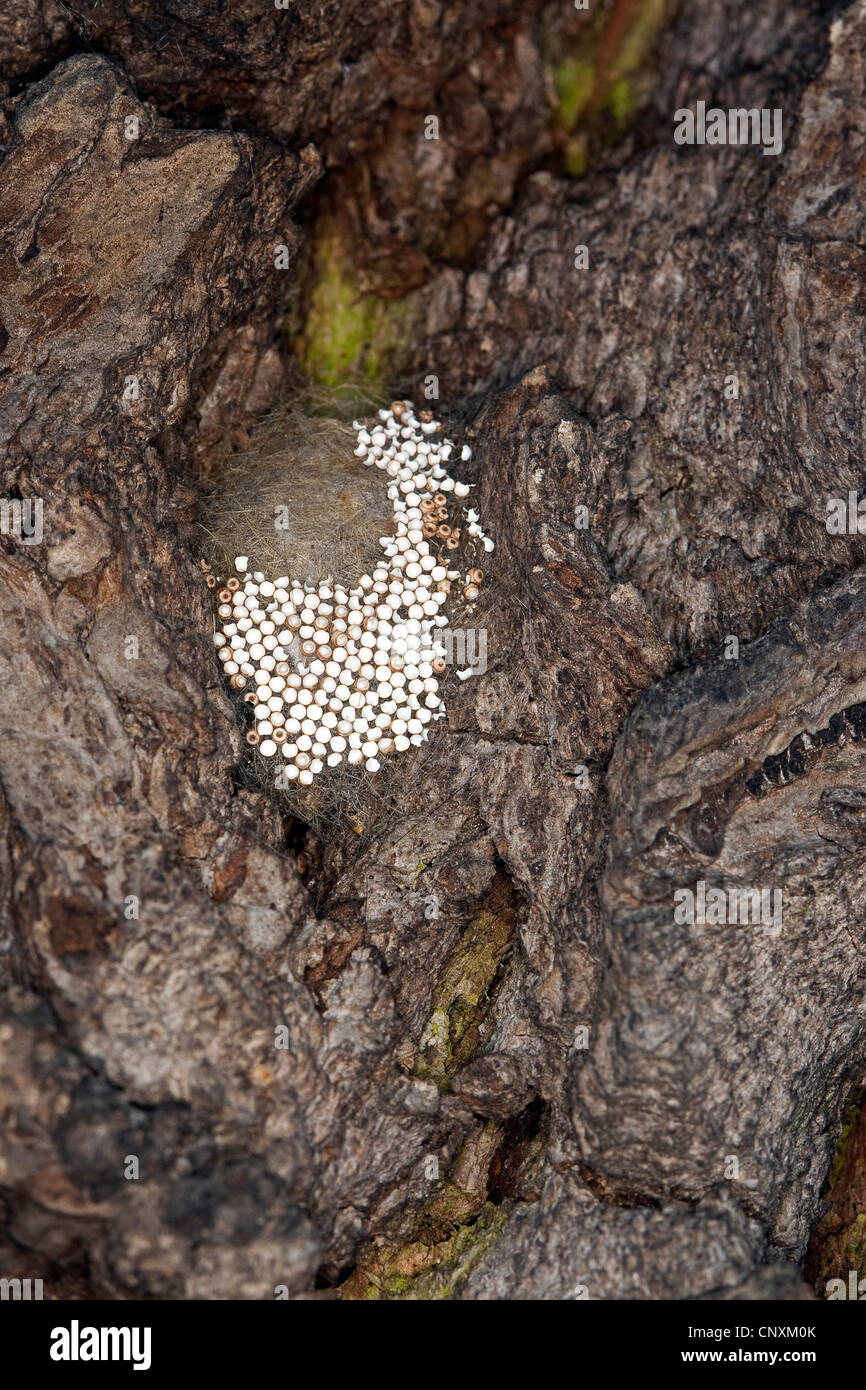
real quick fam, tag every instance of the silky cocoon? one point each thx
(297, 501)
(336, 554)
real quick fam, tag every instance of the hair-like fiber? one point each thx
(299, 504)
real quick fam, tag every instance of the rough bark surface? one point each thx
(510, 1072)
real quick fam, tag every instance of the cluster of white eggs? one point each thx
(338, 673)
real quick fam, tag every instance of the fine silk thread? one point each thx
(340, 674)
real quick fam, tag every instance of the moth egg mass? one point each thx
(349, 586)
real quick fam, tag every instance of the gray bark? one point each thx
(506, 1057)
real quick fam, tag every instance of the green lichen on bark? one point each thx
(422, 1270)
(603, 79)
(342, 334)
(461, 996)
(838, 1242)
(449, 1235)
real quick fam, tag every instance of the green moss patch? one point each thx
(461, 997)
(344, 335)
(602, 80)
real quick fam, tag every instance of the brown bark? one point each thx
(507, 1063)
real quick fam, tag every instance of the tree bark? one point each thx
(510, 1071)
